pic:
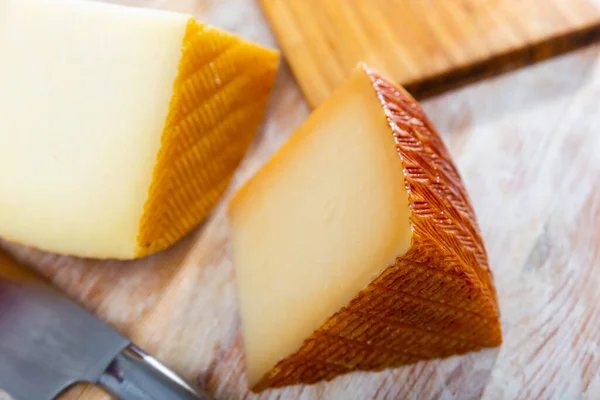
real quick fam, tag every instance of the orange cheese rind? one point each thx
(438, 299)
(218, 103)
(141, 118)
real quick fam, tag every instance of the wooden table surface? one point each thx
(528, 147)
(439, 44)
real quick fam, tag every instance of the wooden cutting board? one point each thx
(426, 45)
(528, 148)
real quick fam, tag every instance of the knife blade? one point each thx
(48, 343)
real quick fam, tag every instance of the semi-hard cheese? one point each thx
(356, 247)
(120, 127)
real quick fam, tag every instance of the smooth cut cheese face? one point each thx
(105, 110)
(326, 215)
(81, 124)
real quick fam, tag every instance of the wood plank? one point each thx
(428, 46)
(527, 146)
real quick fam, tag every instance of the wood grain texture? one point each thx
(528, 149)
(428, 46)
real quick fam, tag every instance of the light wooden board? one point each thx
(426, 45)
(528, 147)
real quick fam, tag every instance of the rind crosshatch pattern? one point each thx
(438, 299)
(218, 103)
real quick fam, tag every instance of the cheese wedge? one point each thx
(356, 247)
(120, 127)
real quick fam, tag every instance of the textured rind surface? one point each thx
(438, 299)
(218, 102)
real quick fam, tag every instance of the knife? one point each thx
(48, 343)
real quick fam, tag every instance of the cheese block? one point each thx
(120, 127)
(356, 246)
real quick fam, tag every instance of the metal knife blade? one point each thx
(47, 343)
(46, 336)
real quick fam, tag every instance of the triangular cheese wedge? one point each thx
(120, 127)
(356, 247)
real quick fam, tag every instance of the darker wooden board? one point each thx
(428, 46)
(501, 63)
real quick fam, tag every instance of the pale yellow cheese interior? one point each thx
(120, 127)
(81, 124)
(324, 217)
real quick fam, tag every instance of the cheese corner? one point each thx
(356, 248)
(121, 127)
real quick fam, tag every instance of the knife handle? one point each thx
(134, 375)
(12, 270)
